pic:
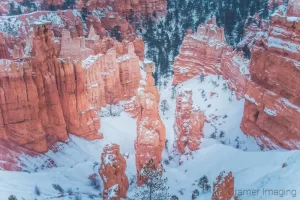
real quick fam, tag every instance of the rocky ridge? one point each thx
(268, 81)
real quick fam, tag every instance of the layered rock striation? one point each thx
(272, 106)
(201, 52)
(43, 98)
(112, 172)
(188, 123)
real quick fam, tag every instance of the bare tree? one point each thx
(112, 99)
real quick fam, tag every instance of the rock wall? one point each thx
(223, 189)
(294, 8)
(201, 52)
(126, 7)
(269, 82)
(151, 132)
(44, 98)
(188, 123)
(272, 105)
(112, 172)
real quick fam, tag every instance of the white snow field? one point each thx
(252, 167)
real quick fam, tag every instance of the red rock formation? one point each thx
(112, 172)
(234, 68)
(272, 106)
(275, 3)
(41, 100)
(151, 133)
(125, 7)
(4, 7)
(200, 52)
(269, 82)
(188, 123)
(223, 189)
(293, 8)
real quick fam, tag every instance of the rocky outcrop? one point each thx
(112, 172)
(268, 82)
(294, 8)
(201, 52)
(43, 98)
(272, 105)
(223, 189)
(127, 7)
(188, 123)
(151, 133)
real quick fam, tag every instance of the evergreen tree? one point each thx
(115, 33)
(203, 184)
(154, 187)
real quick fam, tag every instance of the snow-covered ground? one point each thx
(77, 159)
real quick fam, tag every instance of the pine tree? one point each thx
(154, 187)
(164, 106)
(203, 184)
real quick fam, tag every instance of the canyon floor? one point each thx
(253, 168)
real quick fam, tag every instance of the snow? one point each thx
(77, 159)
(270, 112)
(283, 44)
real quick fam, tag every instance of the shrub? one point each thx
(166, 162)
(12, 197)
(222, 134)
(70, 191)
(58, 188)
(37, 191)
(213, 135)
(195, 194)
(174, 197)
(95, 182)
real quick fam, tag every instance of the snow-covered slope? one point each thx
(73, 162)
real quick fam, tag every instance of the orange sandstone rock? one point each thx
(151, 133)
(112, 172)
(223, 189)
(293, 8)
(201, 52)
(188, 123)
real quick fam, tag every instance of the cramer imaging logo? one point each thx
(264, 192)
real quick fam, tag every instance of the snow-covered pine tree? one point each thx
(155, 186)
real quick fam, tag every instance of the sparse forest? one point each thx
(163, 39)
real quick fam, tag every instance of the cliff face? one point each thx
(188, 123)
(268, 81)
(151, 133)
(126, 7)
(294, 8)
(272, 108)
(223, 189)
(41, 100)
(112, 172)
(201, 52)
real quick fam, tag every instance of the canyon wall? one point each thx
(188, 123)
(112, 172)
(127, 8)
(268, 82)
(223, 189)
(272, 103)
